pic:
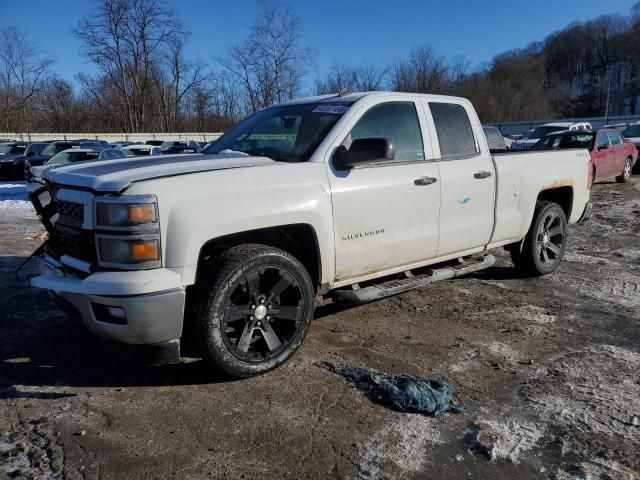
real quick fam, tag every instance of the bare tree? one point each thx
(370, 77)
(341, 78)
(423, 71)
(23, 70)
(126, 40)
(270, 63)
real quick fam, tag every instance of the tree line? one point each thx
(146, 82)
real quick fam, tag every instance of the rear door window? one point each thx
(453, 127)
(615, 138)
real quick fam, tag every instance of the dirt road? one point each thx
(549, 368)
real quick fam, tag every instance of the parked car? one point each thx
(46, 154)
(8, 152)
(76, 155)
(121, 144)
(94, 144)
(312, 197)
(619, 127)
(632, 133)
(541, 131)
(155, 143)
(140, 150)
(180, 146)
(611, 155)
(13, 167)
(494, 138)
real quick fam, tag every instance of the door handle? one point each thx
(424, 181)
(482, 174)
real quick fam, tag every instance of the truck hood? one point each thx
(116, 175)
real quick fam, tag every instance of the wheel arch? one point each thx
(298, 239)
(563, 196)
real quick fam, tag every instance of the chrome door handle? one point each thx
(424, 181)
(482, 174)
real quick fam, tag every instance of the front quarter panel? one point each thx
(197, 208)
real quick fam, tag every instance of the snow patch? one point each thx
(596, 469)
(13, 195)
(503, 439)
(592, 391)
(399, 449)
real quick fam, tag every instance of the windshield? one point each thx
(542, 131)
(55, 148)
(556, 142)
(632, 131)
(11, 149)
(64, 158)
(288, 133)
(134, 152)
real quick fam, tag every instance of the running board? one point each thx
(396, 286)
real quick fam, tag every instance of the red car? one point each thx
(612, 155)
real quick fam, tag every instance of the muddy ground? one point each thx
(549, 368)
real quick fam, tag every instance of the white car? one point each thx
(347, 196)
(547, 128)
(75, 155)
(140, 150)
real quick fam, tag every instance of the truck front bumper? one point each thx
(144, 307)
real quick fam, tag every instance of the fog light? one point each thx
(117, 312)
(109, 314)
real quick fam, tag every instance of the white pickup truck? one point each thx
(356, 197)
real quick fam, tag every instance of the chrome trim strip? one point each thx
(76, 263)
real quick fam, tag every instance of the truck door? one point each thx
(386, 214)
(467, 177)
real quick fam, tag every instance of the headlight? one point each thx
(116, 251)
(127, 232)
(123, 212)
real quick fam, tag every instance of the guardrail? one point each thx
(112, 137)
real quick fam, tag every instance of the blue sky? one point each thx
(351, 31)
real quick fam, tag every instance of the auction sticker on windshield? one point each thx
(337, 109)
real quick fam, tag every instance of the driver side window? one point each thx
(397, 121)
(602, 141)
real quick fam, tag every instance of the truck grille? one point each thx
(76, 243)
(63, 220)
(70, 214)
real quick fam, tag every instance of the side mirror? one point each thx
(31, 154)
(365, 151)
(603, 146)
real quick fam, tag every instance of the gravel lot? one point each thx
(549, 368)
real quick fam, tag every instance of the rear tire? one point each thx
(254, 305)
(626, 172)
(541, 250)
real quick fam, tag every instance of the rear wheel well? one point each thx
(563, 196)
(297, 239)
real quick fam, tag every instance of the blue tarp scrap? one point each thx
(405, 393)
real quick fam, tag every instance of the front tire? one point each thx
(253, 309)
(542, 249)
(626, 172)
